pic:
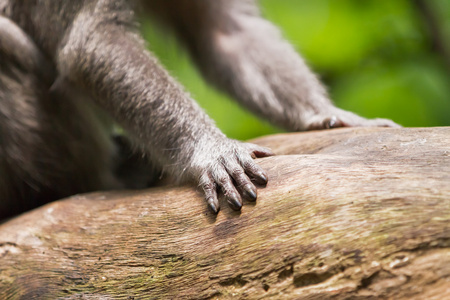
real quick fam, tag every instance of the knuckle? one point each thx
(250, 165)
(223, 181)
(208, 188)
(237, 173)
(206, 182)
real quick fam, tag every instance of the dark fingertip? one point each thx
(234, 203)
(263, 153)
(261, 178)
(250, 192)
(269, 152)
(213, 206)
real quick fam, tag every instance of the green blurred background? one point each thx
(379, 58)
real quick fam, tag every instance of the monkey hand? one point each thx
(228, 165)
(342, 118)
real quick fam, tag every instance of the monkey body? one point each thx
(70, 69)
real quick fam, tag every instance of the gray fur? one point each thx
(65, 63)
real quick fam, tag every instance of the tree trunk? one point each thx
(347, 214)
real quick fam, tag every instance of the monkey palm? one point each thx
(68, 64)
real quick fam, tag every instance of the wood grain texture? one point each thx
(347, 214)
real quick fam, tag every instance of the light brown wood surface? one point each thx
(347, 214)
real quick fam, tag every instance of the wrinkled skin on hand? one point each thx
(227, 165)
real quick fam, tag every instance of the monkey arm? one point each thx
(246, 56)
(111, 62)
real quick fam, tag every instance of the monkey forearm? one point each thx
(246, 56)
(128, 82)
(264, 72)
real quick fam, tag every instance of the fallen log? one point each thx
(348, 214)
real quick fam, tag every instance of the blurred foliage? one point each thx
(375, 56)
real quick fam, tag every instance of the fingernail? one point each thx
(234, 202)
(332, 122)
(250, 192)
(262, 178)
(213, 206)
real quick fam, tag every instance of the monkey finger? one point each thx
(209, 189)
(320, 123)
(243, 183)
(258, 151)
(347, 119)
(333, 122)
(384, 123)
(255, 172)
(226, 184)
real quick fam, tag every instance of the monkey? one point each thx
(71, 70)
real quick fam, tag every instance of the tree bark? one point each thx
(347, 214)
